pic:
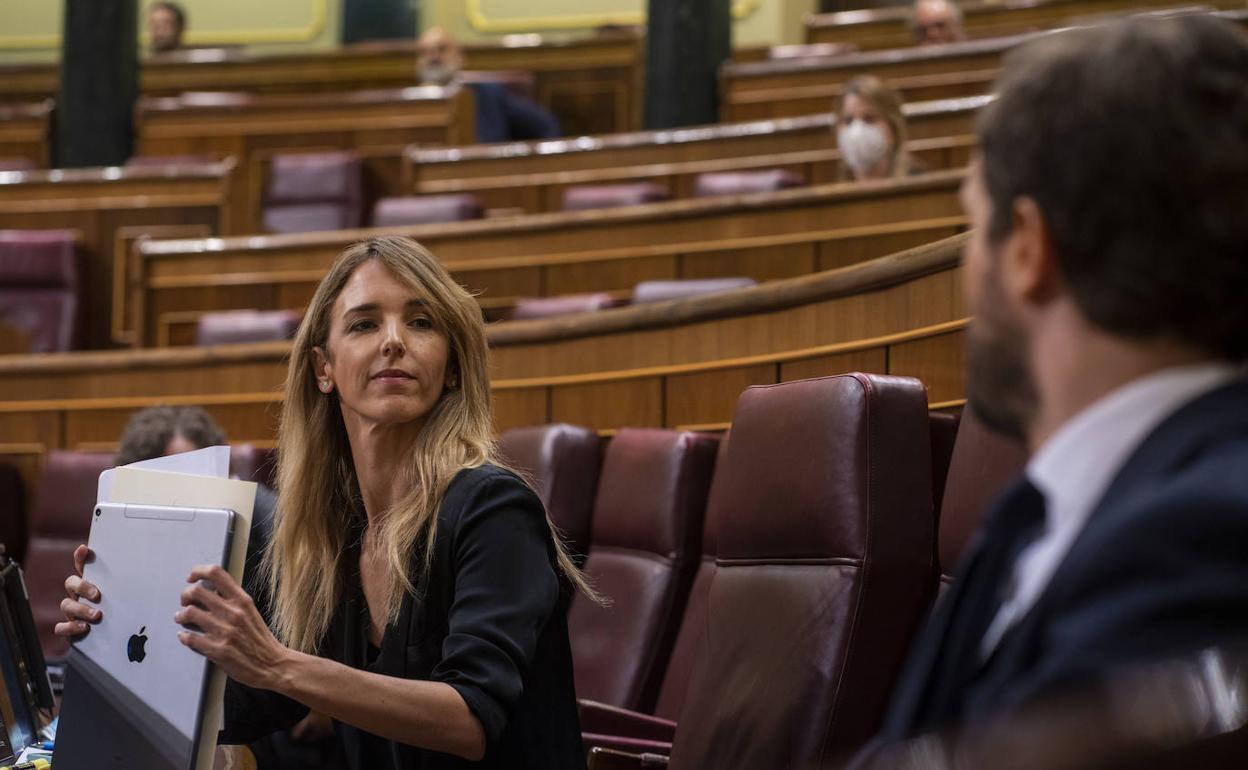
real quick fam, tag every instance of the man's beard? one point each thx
(1000, 386)
(436, 75)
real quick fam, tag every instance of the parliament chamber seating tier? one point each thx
(563, 462)
(41, 288)
(644, 541)
(187, 159)
(226, 327)
(744, 182)
(604, 196)
(626, 730)
(425, 209)
(12, 513)
(314, 191)
(982, 465)
(824, 533)
(59, 522)
(663, 291)
(548, 307)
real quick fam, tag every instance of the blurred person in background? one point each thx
(165, 24)
(936, 21)
(871, 131)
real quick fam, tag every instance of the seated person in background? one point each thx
(501, 115)
(165, 24)
(936, 21)
(1106, 274)
(871, 131)
(417, 586)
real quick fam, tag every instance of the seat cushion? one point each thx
(547, 307)
(602, 196)
(425, 209)
(742, 182)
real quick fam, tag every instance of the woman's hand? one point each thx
(78, 616)
(231, 632)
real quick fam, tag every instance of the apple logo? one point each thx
(136, 648)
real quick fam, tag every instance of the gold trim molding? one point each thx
(482, 22)
(305, 34)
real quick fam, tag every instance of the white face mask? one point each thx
(863, 147)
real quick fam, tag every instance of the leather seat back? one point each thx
(41, 288)
(225, 327)
(644, 546)
(823, 509)
(425, 209)
(314, 191)
(605, 196)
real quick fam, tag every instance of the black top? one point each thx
(487, 623)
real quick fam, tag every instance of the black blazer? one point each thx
(1161, 569)
(489, 624)
(505, 117)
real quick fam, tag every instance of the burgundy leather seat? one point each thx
(232, 326)
(548, 307)
(251, 463)
(983, 464)
(605, 196)
(60, 521)
(662, 291)
(824, 531)
(425, 209)
(647, 526)
(563, 462)
(12, 513)
(17, 164)
(314, 191)
(742, 182)
(41, 288)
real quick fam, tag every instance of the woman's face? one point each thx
(856, 108)
(385, 355)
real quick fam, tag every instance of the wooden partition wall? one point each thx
(679, 363)
(765, 236)
(877, 28)
(591, 82)
(24, 131)
(110, 208)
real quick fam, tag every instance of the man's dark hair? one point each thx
(1132, 138)
(149, 431)
(179, 14)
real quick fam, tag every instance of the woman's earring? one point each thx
(325, 386)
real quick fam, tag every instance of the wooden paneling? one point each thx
(109, 208)
(635, 402)
(638, 243)
(939, 361)
(24, 131)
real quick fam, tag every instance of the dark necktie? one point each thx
(1015, 522)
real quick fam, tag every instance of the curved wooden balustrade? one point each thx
(675, 363)
(766, 236)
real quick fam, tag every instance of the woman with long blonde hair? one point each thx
(417, 586)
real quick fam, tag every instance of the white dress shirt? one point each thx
(1075, 467)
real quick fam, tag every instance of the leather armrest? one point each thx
(625, 744)
(602, 719)
(606, 759)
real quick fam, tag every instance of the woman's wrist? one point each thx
(283, 673)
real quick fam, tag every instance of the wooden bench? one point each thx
(378, 125)
(24, 131)
(111, 208)
(531, 176)
(765, 236)
(593, 83)
(880, 28)
(673, 364)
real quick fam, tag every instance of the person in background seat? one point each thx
(871, 131)
(501, 115)
(935, 22)
(166, 22)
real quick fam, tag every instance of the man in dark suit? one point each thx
(1107, 273)
(501, 116)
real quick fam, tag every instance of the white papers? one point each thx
(196, 479)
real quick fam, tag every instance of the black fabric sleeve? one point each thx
(505, 591)
(251, 713)
(526, 120)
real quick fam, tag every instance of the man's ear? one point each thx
(1030, 272)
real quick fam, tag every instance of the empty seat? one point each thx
(41, 288)
(17, 164)
(232, 326)
(661, 291)
(314, 191)
(824, 534)
(742, 182)
(563, 462)
(425, 209)
(12, 513)
(546, 307)
(603, 196)
(982, 465)
(647, 526)
(60, 521)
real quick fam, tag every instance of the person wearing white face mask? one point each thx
(871, 131)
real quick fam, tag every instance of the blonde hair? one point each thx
(887, 103)
(318, 492)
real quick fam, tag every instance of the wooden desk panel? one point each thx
(24, 131)
(109, 208)
(548, 252)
